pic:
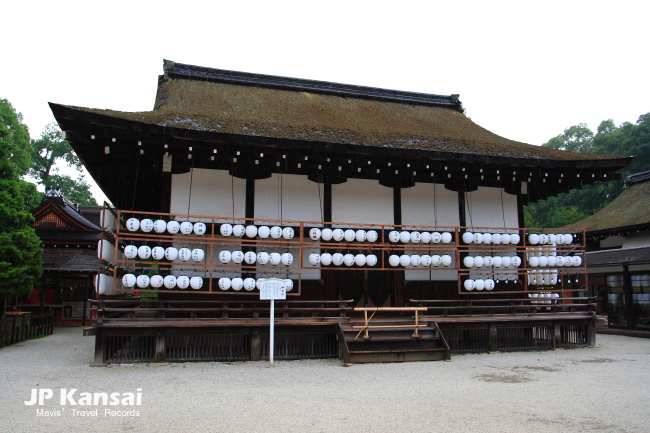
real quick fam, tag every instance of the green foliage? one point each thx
(20, 250)
(627, 139)
(49, 150)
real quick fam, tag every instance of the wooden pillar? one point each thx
(250, 198)
(462, 215)
(520, 211)
(159, 355)
(398, 276)
(492, 337)
(397, 205)
(327, 202)
(629, 299)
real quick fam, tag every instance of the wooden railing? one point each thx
(18, 326)
(493, 307)
(367, 326)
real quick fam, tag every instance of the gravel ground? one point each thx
(603, 388)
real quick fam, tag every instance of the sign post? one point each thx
(272, 289)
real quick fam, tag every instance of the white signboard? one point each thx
(270, 290)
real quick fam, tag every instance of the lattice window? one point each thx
(50, 220)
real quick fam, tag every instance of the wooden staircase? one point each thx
(391, 341)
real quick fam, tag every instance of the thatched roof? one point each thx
(631, 208)
(213, 100)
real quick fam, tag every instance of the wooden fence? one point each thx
(20, 326)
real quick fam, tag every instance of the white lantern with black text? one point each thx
(173, 227)
(144, 252)
(225, 229)
(133, 224)
(156, 281)
(287, 259)
(169, 281)
(187, 228)
(146, 225)
(199, 229)
(183, 282)
(198, 255)
(238, 230)
(158, 253)
(130, 251)
(171, 254)
(250, 257)
(326, 259)
(196, 283)
(185, 254)
(128, 280)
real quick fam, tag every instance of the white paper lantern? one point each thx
(515, 262)
(372, 236)
(159, 226)
(199, 229)
(468, 237)
(225, 256)
(198, 255)
(173, 227)
(360, 260)
(287, 259)
(185, 254)
(505, 238)
(551, 261)
(196, 283)
(258, 283)
(287, 284)
(559, 239)
(478, 262)
(187, 228)
(182, 282)
(489, 284)
(158, 253)
(404, 237)
(487, 238)
(371, 260)
(276, 232)
(288, 233)
(445, 260)
(337, 259)
(250, 257)
(144, 252)
(249, 284)
(393, 260)
(559, 261)
(533, 261)
(169, 281)
(146, 225)
(393, 236)
(237, 257)
(170, 254)
(416, 237)
(436, 260)
(478, 238)
(479, 285)
(446, 237)
(314, 234)
(568, 239)
(238, 230)
(263, 257)
(225, 283)
(349, 235)
(225, 229)
(496, 239)
(487, 261)
(415, 259)
(469, 285)
(426, 237)
(348, 260)
(128, 280)
(314, 259)
(514, 239)
(338, 235)
(404, 260)
(425, 260)
(576, 261)
(533, 239)
(133, 224)
(326, 235)
(360, 235)
(543, 261)
(326, 259)
(251, 232)
(237, 284)
(497, 261)
(263, 232)
(543, 239)
(275, 259)
(130, 251)
(156, 281)
(468, 261)
(506, 261)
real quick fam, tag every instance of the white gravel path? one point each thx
(601, 389)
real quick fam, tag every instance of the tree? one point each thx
(20, 250)
(48, 151)
(577, 138)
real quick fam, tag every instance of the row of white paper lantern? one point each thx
(158, 253)
(416, 237)
(543, 298)
(339, 235)
(554, 261)
(250, 258)
(550, 239)
(251, 231)
(338, 259)
(416, 260)
(492, 262)
(157, 281)
(160, 226)
(542, 278)
(491, 238)
(250, 284)
(479, 284)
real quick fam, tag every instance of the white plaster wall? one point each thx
(641, 239)
(211, 193)
(483, 208)
(612, 242)
(362, 201)
(300, 198)
(418, 206)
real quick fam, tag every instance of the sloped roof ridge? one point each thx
(181, 70)
(635, 178)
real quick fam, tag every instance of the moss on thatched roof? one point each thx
(312, 116)
(631, 208)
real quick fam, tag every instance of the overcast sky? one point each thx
(524, 70)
